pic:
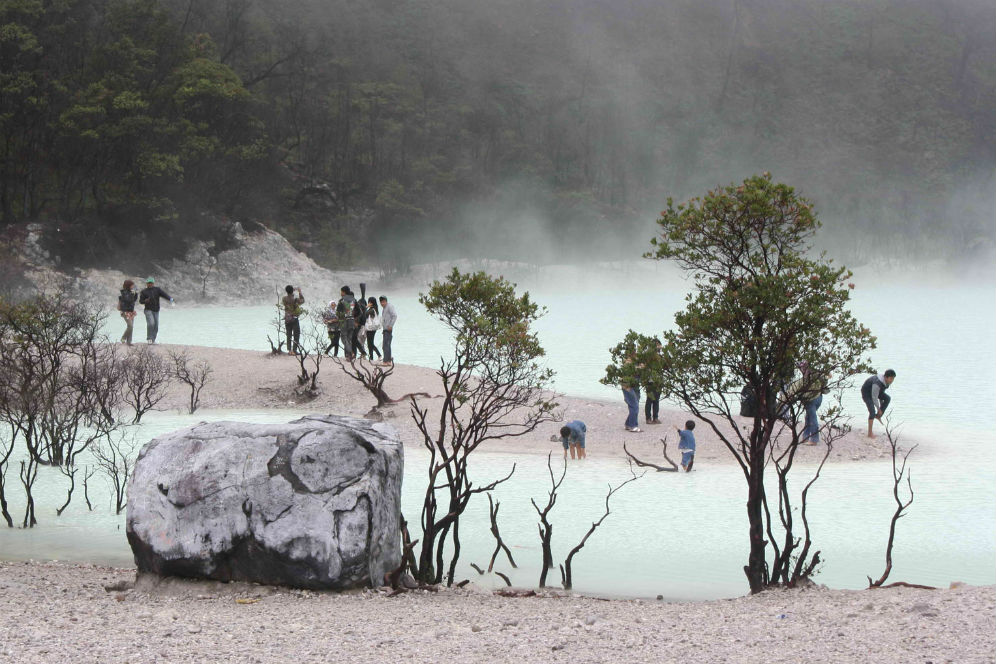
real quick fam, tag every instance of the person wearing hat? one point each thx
(150, 297)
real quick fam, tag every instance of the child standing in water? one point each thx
(686, 445)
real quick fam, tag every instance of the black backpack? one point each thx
(748, 402)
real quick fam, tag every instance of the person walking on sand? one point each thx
(371, 326)
(150, 297)
(347, 324)
(389, 316)
(631, 395)
(875, 398)
(686, 445)
(292, 317)
(572, 436)
(126, 305)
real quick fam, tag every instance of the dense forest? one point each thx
(391, 131)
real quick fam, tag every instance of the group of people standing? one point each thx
(351, 323)
(149, 297)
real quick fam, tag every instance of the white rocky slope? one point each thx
(253, 271)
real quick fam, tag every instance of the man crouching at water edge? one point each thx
(686, 445)
(875, 398)
(572, 436)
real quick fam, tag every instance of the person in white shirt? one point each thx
(371, 326)
(387, 320)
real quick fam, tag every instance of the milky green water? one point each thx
(683, 536)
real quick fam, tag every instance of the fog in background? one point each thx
(390, 133)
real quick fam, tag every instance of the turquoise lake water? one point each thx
(682, 536)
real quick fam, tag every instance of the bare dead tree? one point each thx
(29, 473)
(544, 525)
(794, 560)
(88, 472)
(566, 575)
(660, 469)
(147, 376)
(114, 458)
(6, 449)
(499, 544)
(194, 375)
(899, 472)
(277, 323)
(70, 473)
(309, 359)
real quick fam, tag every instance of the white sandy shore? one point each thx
(55, 612)
(250, 379)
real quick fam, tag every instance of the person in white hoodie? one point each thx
(371, 326)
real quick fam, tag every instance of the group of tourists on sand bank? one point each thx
(351, 322)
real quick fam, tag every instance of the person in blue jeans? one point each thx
(150, 297)
(686, 445)
(631, 394)
(811, 431)
(572, 436)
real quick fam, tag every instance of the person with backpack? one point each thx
(347, 323)
(360, 318)
(150, 297)
(292, 318)
(875, 398)
(371, 326)
(126, 305)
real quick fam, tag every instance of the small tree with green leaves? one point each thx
(636, 360)
(492, 388)
(761, 306)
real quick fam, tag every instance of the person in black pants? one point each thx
(292, 312)
(331, 320)
(371, 326)
(360, 317)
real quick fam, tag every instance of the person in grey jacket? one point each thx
(875, 398)
(388, 317)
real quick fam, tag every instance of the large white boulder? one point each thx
(314, 503)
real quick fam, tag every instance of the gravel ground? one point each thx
(56, 612)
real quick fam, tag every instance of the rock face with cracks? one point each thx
(314, 503)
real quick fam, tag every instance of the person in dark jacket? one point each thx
(875, 398)
(150, 297)
(126, 305)
(360, 319)
(347, 323)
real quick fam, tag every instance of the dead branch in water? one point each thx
(499, 543)
(660, 469)
(565, 570)
(899, 471)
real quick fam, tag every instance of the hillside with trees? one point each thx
(389, 132)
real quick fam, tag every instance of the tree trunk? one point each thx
(755, 569)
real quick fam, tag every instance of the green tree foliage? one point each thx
(107, 109)
(433, 123)
(762, 305)
(493, 387)
(636, 361)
